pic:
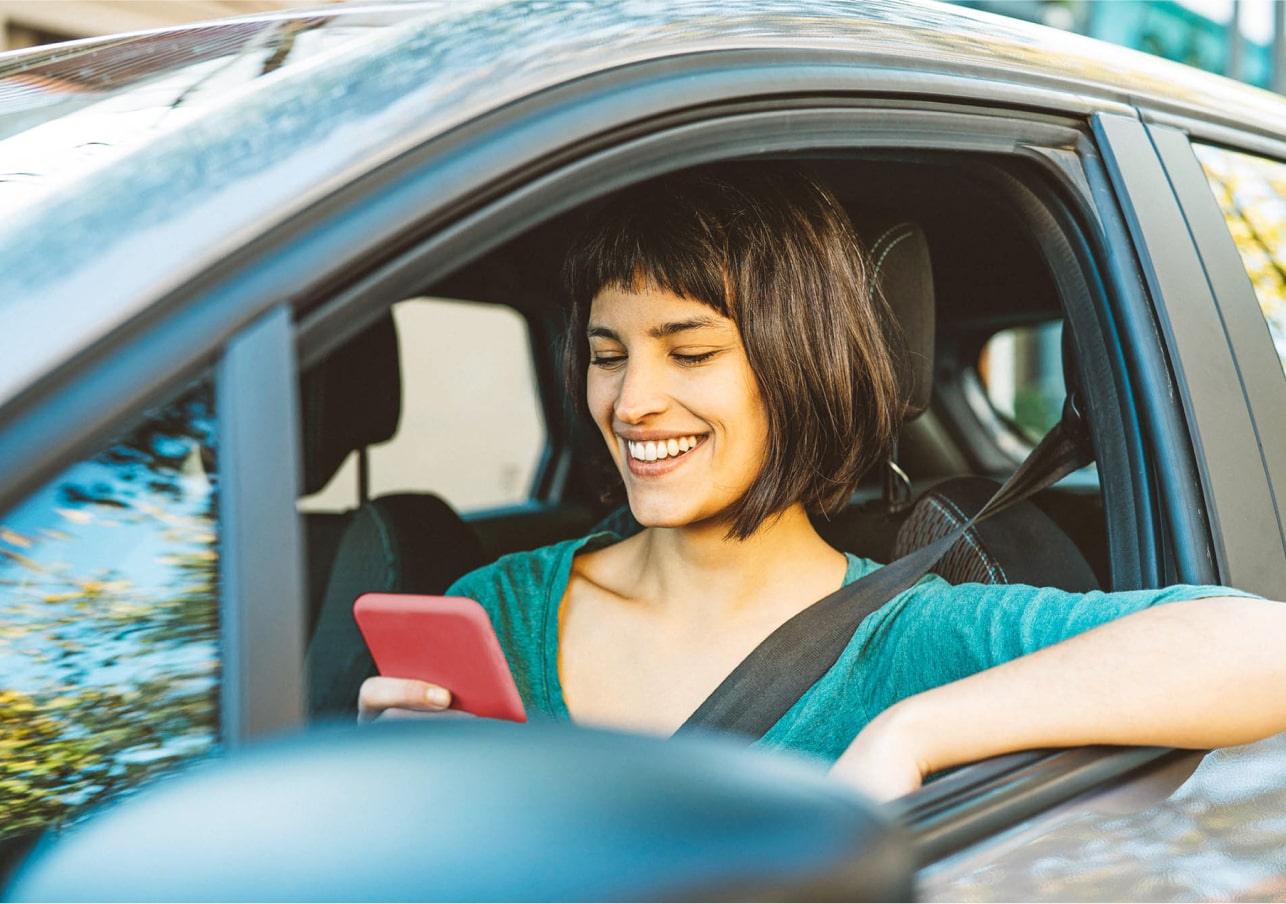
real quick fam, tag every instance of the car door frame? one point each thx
(1191, 293)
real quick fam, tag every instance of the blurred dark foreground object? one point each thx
(482, 810)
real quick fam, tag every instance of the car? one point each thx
(280, 301)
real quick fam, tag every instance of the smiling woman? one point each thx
(731, 353)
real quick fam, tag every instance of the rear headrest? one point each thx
(352, 399)
(903, 274)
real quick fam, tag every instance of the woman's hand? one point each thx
(380, 696)
(882, 762)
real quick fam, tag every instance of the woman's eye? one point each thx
(693, 359)
(605, 360)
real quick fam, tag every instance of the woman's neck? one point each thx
(678, 564)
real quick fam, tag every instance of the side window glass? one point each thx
(1251, 191)
(109, 636)
(471, 428)
(1021, 370)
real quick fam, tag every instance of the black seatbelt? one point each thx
(769, 681)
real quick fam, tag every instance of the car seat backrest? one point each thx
(350, 400)
(903, 274)
(402, 543)
(1022, 545)
(407, 543)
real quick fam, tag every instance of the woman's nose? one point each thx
(641, 393)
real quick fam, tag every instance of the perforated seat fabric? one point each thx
(1019, 546)
(403, 543)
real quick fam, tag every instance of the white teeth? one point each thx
(658, 450)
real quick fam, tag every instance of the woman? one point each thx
(727, 346)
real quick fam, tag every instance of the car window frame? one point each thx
(1233, 488)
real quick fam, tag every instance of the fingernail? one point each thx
(437, 697)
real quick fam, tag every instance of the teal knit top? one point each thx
(929, 635)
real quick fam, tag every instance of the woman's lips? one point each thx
(652, 458)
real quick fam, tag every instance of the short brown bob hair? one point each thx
(768, 247)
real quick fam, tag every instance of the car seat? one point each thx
(340, 415)
(398, 543)
(1021, 545)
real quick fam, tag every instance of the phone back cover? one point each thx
(443, 640)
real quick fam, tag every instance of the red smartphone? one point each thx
(445, 640)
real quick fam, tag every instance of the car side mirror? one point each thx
(482, 810)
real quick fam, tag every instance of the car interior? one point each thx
(957, 263)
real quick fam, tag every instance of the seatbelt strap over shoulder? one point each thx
(769, 681)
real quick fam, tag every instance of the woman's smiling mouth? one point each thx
(656, 450)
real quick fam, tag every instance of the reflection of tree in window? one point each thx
(1252, 194)
(108, 621)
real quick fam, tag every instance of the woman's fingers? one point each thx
(380, 694)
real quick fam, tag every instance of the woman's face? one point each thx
(671, 389)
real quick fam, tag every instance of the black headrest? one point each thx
(350, 400)
(903, 274)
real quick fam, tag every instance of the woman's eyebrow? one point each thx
(682, 326)
(663, 330)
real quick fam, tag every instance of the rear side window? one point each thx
(109, 634)
(1021, 370)
(1251, 191)
(471, 428)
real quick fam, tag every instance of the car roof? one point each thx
(117, 185)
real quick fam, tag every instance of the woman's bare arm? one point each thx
(1200, 673)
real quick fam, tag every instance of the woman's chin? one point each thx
(663, 517)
